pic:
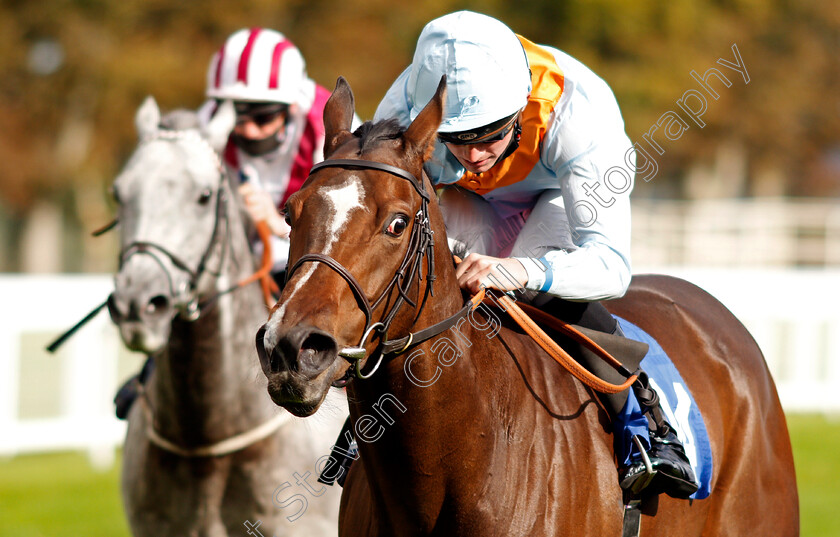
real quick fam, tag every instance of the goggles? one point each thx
(490, 133)
(260, 113)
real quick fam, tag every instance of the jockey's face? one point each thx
(478, 158)
(259, 126)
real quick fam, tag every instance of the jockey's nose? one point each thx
(475, 152)
(249, 129)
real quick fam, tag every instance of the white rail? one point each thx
(744, 233)
(64, 401)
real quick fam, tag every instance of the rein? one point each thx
(518, 313)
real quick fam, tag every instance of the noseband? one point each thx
(421, 244)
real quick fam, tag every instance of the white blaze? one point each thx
(342, 200)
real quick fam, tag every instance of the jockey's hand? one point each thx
(503, 274)
(259, 205)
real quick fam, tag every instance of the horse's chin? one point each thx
(302, 397)
(138, 338)
(301, 410)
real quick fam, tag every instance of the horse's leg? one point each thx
(166, 495)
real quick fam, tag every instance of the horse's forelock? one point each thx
(370, 133)
(180, 119)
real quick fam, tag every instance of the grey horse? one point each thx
(206, 453)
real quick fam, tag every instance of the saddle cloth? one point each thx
(678, 406)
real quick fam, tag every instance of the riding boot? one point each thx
(131, 388)
(343, 453)
(670, 470)
(665, 466)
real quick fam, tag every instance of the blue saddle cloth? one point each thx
(678, 406)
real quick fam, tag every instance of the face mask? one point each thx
(258, 148)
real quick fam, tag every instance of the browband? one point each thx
(369, 164)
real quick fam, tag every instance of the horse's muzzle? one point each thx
(303, 350)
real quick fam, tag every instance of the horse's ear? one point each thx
(420, 135)
(147, 118)
(217, 130)
(338, 116)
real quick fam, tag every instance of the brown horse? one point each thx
(466, 427)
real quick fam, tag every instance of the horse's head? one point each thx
(171, 196)
(360, 246)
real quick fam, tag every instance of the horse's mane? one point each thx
(370, 133)
(179, 120)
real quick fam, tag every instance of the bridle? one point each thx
(188, 300)
(420, 245)
(190, 308)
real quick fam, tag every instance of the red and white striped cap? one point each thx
(257, 64)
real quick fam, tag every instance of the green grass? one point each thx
(816, 443)
(61, 495)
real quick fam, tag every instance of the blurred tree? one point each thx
(74, 72)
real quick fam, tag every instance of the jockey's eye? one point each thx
(205, 196)
(397, 225)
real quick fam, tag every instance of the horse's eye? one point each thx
(397, 226)
(287, 219)
(205, 196)
(115, 195)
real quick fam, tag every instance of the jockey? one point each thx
(530, 166)
(279, 132)
(278, 136)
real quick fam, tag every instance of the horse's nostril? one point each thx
(318, 343)
(313, 347)
(276, 361)
(156, 304)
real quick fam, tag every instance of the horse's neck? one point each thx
(407, 424)
(437, 423)
(208, 377)
(420, 399)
